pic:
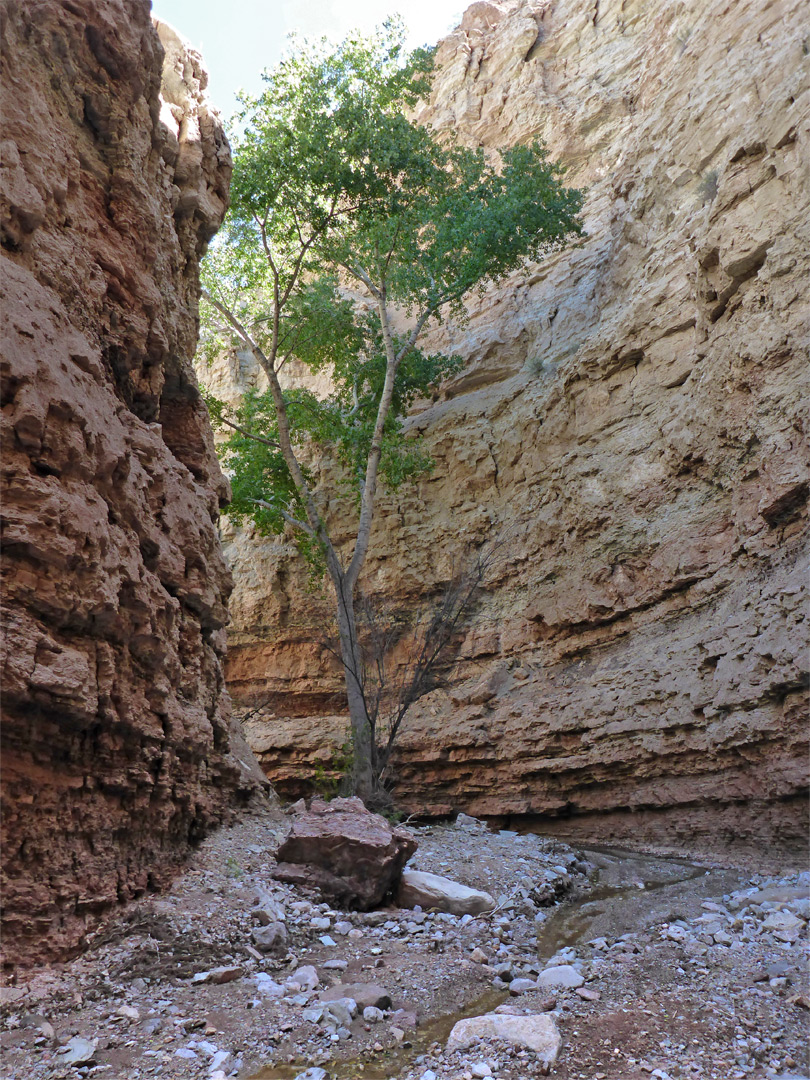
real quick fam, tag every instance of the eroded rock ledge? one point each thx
(631, 428)
(118, 746)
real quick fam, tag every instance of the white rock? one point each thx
(564, 956)
(306, 977)
(219, 1060)
(561, 976)
(268, 987)
(271, 938)
(78, 1051)
(432, 891)
(473, 824)
(783, 923)
(339, 1012)
(372, 1014)
(537, 1032)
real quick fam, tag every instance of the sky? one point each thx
(238, 39)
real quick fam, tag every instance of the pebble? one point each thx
(480, 1069)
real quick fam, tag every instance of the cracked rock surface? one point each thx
(118, 746)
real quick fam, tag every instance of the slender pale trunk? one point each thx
(362, 766)
(345, 582)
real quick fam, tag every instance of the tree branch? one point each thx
(234, 322)
(361, 275)
(369, 490)
(287, 517)
(249, 434)
(285, 441)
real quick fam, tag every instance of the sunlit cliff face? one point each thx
(630, 424)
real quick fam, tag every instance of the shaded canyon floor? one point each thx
(684, 971)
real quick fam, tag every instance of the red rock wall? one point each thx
(118, 747)
(631, 429)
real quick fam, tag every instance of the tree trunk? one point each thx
(362, 769)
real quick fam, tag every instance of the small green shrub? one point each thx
(232, 868)
(334, 779)
(708, 186)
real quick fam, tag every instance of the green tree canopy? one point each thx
(348, 219)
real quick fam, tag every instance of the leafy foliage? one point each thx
(347, 220)
(339, 426)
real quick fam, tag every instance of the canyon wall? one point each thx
(118, 747)
(630, 431)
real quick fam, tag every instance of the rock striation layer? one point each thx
(118, 745)
(631, 432)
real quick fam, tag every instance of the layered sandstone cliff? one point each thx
(631, 427)
(118, 748)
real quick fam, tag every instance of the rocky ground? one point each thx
(647, 967)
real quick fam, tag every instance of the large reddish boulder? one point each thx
(352, 857)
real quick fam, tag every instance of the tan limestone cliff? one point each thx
(118, 748)
(631, 428)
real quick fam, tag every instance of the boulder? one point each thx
(352, 857)
(432, 891)
(271, 938)
(561, 976)
(536, 1032)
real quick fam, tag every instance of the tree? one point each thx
(347, 220)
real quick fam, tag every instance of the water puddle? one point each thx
(620, 900)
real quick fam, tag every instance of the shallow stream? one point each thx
(630, 892)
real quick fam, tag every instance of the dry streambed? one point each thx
(625, 966)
